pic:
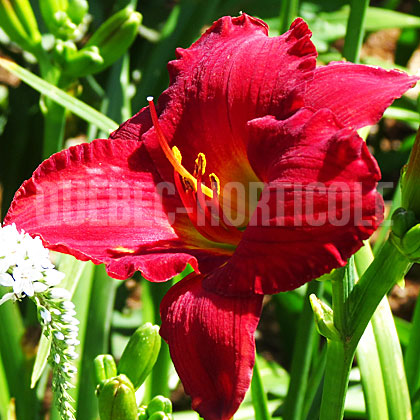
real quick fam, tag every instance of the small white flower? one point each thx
(45, 315)
(67, 305)
(52, 277)
(59, 335)
(57, 358)
(39, 287)
(6, 280)
(59, 293)
(69, 319)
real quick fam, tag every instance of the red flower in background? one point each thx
(250, 111)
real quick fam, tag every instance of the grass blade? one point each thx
(79, 108)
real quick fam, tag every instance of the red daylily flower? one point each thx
(291, 192)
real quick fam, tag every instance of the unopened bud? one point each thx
(159, 404)
(117, 400)
(402, 221)
(324, 319)
(113, 38)
(140, 354)
(17, 19)
(410, 192)
(105, 368)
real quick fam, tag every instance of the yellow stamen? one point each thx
(215, 183)
(174, 155)
(200, 165)
(177, 154)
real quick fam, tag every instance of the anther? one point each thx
(215, 184)
(188, 186)
(200, 165)
(177, 154)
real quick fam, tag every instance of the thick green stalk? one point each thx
(388, 267)
(54, 125)
(157, 382)
(339, 353)
(96, 341)
(392, 378)
(288, 12)
(339, 360)
(355, 30)
(302, 352)
(54, 114)
(259, 397)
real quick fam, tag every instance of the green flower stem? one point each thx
(368, 356)
(288, 12)
(387, 268)
(97, 333)
(412, 359)
(54, 125)
(339, 352)
(259, 397)
(389, 351)
(342, 285)
(302, 352)
(157, 382)
(355, 30)
(339, 360)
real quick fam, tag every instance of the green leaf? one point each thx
(41, 359)
(376, 18)
(67, 101)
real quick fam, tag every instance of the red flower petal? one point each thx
(318, 205)
(211, 341)
(104, 202)
(357, 94)
(214, 91)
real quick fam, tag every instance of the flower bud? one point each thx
(140, 354)
(411, 243)
(112, 39)
(159, 415)
(17, 19)
(142, 413)
(117, 400)
(402, 221)
(324, 319)
(64, 17)
(410, 191)
(77, 10)
(105, 368)
(159, 403)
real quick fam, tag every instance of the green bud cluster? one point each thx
(17, 19)
(405, 233)
(105, 46)
(67, 22)
(66, 19)
(116, 385)
(159, 408)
